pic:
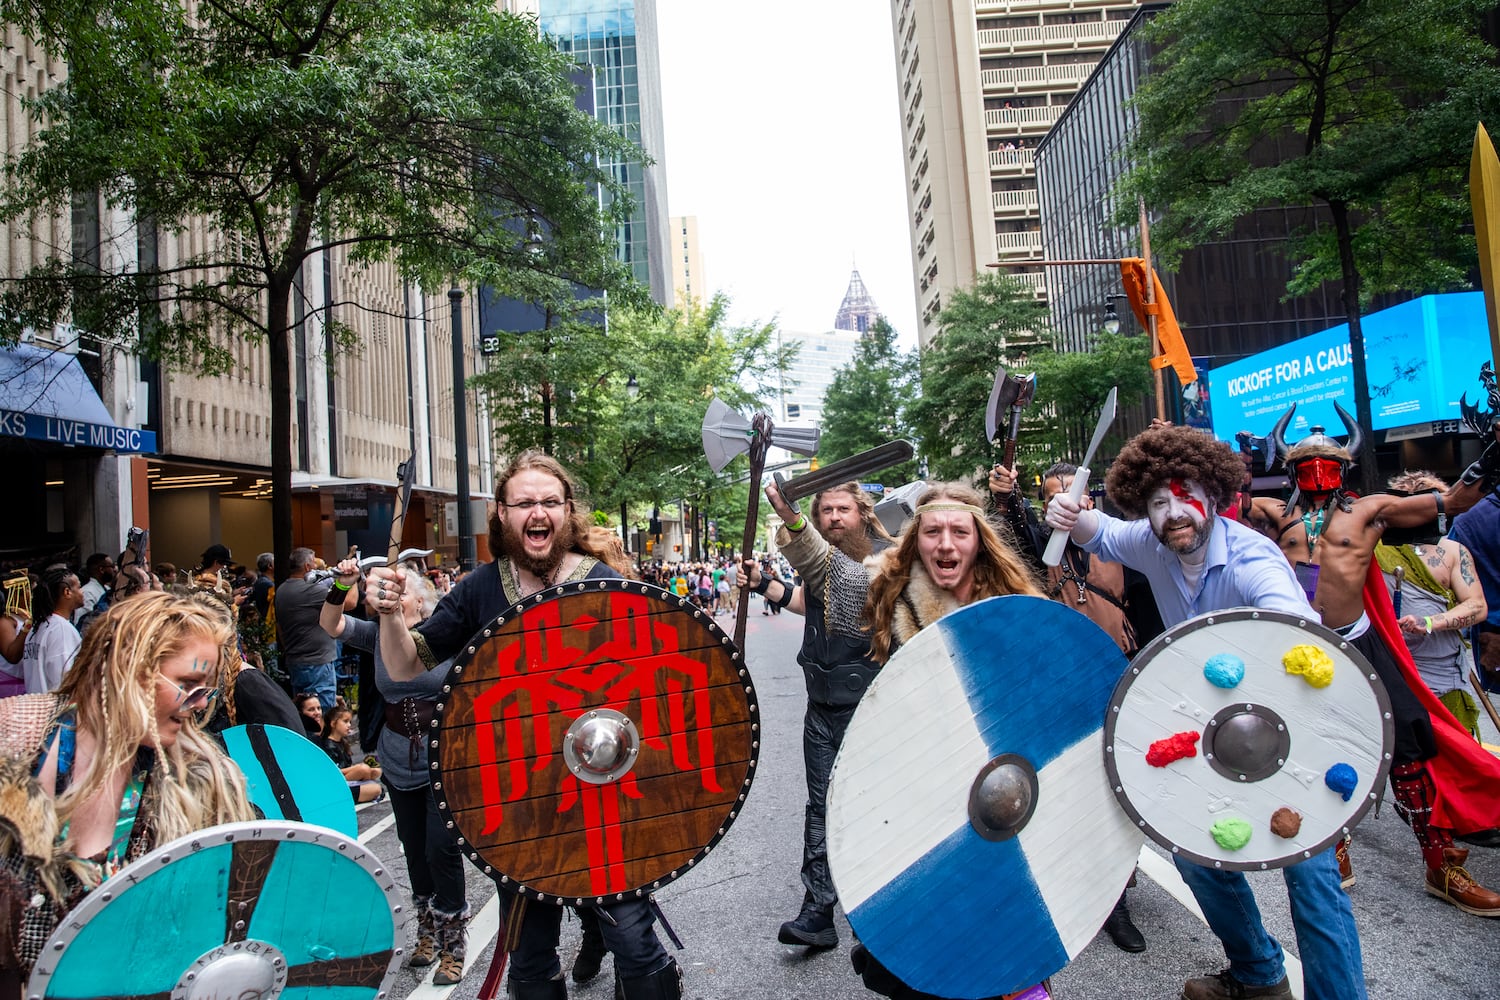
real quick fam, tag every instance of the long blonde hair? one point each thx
(112, 685)
(998, 570)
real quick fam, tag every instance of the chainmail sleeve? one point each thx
(845, 587)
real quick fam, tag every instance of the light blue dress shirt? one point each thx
(1244, 569)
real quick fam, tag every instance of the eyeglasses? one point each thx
(531, 505)
(202, 695)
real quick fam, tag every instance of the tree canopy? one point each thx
(442, 135)
(996, 321)
(867, 402)
(1366, 108)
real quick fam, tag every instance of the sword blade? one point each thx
(845, 469)
(1106, 417)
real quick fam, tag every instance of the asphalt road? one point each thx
(728, 910)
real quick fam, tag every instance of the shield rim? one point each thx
(280, 830)
(435, 752)
(1198, 623)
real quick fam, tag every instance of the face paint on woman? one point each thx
(1179, 515)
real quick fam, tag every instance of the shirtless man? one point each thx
(1329, 537)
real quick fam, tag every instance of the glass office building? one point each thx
(617, 39)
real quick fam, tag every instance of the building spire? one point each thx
(858, 310)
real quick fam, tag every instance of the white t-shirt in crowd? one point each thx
(50, 649)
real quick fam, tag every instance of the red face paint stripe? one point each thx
(1180, 491)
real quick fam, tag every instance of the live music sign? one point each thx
(78, 433)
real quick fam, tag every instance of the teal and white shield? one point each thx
(289, 777)
(263, 909)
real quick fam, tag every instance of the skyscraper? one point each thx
(617, 38)
(858, 311)
(979, 83)
(689, 282)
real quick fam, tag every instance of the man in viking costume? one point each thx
(836, 664)
(1177, 481)
(540, 538)
(1438, 775)
(947, 557)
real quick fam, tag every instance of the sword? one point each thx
(844, 470)
(1400, 574)
(1059, 539)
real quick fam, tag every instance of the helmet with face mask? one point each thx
(1319, 463)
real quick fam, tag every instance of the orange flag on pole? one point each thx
(1174, 350)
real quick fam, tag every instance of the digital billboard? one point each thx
(1420, 356)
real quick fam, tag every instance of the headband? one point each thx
(949, 505)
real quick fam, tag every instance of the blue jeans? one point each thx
(315, 678)
(1321, 915)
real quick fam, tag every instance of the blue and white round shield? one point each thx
(263, 909)
(972, 833)
(290, 777)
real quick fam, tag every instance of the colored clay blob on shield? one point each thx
(1224, 671)
(1286, 823)
(1174, 747)
(1231, 833)
(1315, 666)
(1342, 779)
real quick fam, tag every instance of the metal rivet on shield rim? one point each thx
(460, 841)
(1307, 854)
(1210, 619)
(1168, 640)
(1388, 715)
(437, 785)
(1372, 677)
(1218, 864)
(458, 668)
(447, 688)
(1255, 614)
(433, 744)
(379, 872)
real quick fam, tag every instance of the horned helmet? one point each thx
(1319, 462)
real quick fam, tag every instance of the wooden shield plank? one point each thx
(601, 667)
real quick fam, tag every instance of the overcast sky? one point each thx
(783, 138)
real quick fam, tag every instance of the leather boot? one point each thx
(424, 953)
(1122, 930)
(1346, 867)
(591, 951)
(813, 927)
(663, 984)
(541, 989)
(1452, 882)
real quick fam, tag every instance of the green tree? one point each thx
(995, 322)
(1070, 390)
(438, 134)
(1366, 108)
(647, 448)
(867, 401)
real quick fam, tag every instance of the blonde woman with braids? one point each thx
(111, 764)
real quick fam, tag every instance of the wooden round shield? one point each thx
(972, 835)
(1247, 739)
(262, 909)
(595, 741)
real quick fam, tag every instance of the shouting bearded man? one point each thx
(540, 538)
(1329, 536)
(836, 663)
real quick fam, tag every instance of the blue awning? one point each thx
(45, 396)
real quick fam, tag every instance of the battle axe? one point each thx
(1013, 393)
(845, 470)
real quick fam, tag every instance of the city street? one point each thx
(727, 911)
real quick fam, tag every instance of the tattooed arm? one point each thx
(1471, 606)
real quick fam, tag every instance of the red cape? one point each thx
(1466, 775)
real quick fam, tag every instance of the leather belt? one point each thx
(411, 717)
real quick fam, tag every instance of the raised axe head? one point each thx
(1009, 393)
(727, 433)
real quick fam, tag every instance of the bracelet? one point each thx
(345, 587)
(797, 525)
(1428, 622)
(762, 587)
(335, 597)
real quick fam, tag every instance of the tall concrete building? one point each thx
(689, 280)
(617, 38)
(809, 376)
(979, 83)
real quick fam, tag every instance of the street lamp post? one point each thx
(461, 435)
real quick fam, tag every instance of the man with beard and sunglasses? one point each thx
(540, 537)
(837, 667)
(1176, 481)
